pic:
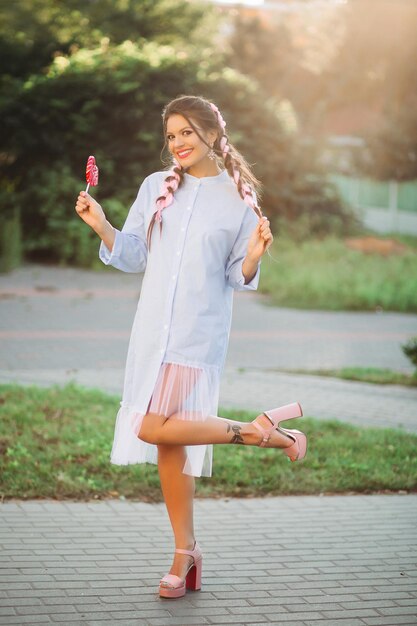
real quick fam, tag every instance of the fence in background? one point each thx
(382, 206)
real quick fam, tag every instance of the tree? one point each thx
(33, 32)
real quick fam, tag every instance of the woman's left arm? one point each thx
(259, 242)
(246, 253)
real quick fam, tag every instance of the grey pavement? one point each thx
(62, 324)
(61, 318)
(293, 561)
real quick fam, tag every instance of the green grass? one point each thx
(56, 442)
(374, 375)
(325, 274)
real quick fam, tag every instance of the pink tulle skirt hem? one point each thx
(182, 391)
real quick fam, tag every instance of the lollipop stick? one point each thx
(87, 188)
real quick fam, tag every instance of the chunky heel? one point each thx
(193, 579)
(177, 586)
(283, 413)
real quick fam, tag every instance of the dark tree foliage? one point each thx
(32, 32)
(93, 79)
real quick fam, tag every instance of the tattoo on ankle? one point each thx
(237, 437)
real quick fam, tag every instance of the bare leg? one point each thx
(161, 430)
(178, 490)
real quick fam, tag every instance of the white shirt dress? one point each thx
(181, 328)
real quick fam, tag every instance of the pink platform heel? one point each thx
(297, 450)
(192, 577)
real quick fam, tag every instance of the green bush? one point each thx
(410, 350)
(53, 230)
(10, 241)
(56, 232)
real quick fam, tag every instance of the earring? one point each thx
(212, 154)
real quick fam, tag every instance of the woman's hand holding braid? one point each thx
(260, 240)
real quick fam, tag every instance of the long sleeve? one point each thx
(234, 274)
(130, 252)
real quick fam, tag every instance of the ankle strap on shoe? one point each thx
(191, 552)
(194, 552)
(265, 433)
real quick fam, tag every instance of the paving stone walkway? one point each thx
(293, 561)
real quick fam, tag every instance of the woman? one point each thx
(209, 238)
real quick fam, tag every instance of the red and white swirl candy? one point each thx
(91, 172)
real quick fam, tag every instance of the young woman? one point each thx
(197, 233)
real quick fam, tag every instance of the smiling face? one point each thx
(185, 145)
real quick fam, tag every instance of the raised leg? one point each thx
(162, 430)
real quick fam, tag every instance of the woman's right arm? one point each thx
(126, 249)
(91, 212)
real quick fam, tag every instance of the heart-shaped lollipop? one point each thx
(91, 173)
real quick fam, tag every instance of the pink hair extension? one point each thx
(169, 186)
(225, 148)
(247, 189)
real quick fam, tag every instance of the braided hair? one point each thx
(209, 117)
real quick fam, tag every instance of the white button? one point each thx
(174, 277)
(166, 326)
(161, 350)
(183, 228)
(188, 208)
(178, 252)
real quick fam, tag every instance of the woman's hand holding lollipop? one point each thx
(90, 211)
(87, 208)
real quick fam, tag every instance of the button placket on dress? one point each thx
(175, 270)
